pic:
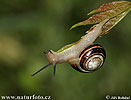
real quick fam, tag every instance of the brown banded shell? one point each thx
(90, 59)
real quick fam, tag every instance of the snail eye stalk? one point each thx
(41, 69)
(54, 69)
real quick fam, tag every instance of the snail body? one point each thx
(73, 50)
(83, 55)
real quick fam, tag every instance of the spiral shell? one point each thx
(90, 59)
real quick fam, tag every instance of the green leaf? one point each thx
(109, 6)
(107, 11)
(112, 22)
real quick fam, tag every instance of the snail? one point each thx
(83, 55)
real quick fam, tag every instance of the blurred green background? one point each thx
(29, 27)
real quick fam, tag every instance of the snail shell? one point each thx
(90, 59)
